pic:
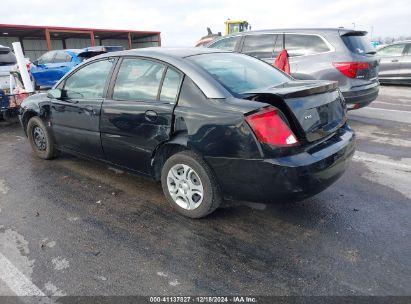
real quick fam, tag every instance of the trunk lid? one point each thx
(314, 109)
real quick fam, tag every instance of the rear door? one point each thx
(391, 57)
(138, 114)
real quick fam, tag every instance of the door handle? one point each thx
(151, 115)
(90, 110)
(394, 60)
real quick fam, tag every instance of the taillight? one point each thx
(350, 69)
(269, 128)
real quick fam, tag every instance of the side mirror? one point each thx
(54, 94)
(35, 62)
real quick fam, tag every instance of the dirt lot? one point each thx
(72, 227)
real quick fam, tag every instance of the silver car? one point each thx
(7, 63)
(395, 64)
(337, 54)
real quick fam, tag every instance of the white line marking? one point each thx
(381, 162)
(18, 282)
(381, 109)
(392, 104)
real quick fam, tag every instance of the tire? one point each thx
(195, 175)
(40, 139)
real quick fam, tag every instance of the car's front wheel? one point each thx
(40, 139)
(189, 185)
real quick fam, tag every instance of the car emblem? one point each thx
(308, 117)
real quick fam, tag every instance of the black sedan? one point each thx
(210, 125)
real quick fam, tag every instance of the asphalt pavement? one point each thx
(74, 227)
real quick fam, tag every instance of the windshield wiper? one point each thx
(371, 53)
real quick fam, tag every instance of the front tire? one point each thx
(189, 185)
(40, 139)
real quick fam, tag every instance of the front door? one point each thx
(75, 118)
(138, 116)
(40, 71)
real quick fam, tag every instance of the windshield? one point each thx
(239, 73)
(358, 44)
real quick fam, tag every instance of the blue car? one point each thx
(53, 65)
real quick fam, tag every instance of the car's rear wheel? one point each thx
(189, 185)
(40, 139)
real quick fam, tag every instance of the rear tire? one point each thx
(189, 185)
(40, 139)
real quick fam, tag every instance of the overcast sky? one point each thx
(183, 22)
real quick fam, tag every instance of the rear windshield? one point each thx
(239, 73)
(7, 57)
(358, 44)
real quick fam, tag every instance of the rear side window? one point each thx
(171, 85)
(302, 45)
(392, 50)
(7, 57)
(262, 46)
(227, 44)
(358, 44)
(138, 79)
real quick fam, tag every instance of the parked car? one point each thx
(206, 123)
(7, 63)
(337, 54)
(53, 65)
(395, 64)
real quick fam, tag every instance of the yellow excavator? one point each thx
(231, 27)
(236, 26)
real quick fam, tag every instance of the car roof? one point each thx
(166, 52)
(319, 30)
(176, 58)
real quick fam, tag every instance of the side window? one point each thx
(227, 44)
(46, 58)
(260, 46)
(89, 81)
(392, 50)
(61, 57)
(138, 79)
(301, 45)
(171, 85)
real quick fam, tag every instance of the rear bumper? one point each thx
(291, 177)
(360, 98)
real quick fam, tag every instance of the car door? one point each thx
(75, 118)
(40, 68)
(390, 60)
(405, 64)
(137, 115)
